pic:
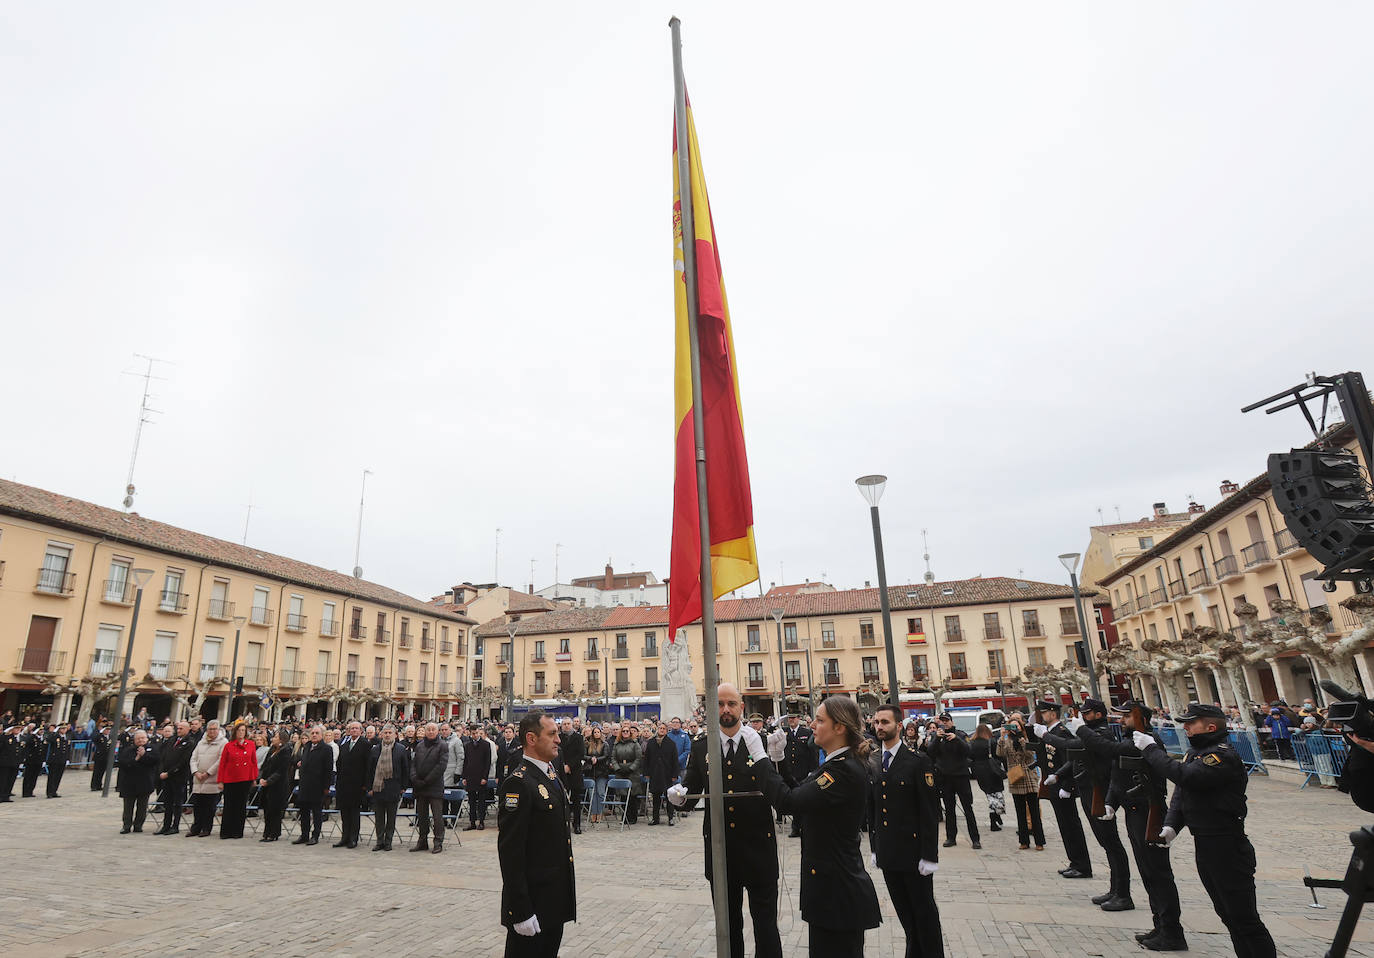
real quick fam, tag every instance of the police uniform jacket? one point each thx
(1210, 793)
(534, 845)
(9, 750)
(137, 774)
(174, 758)
(904, 813)
(751, 847)
(509, 755)
(1134, 783)
(315, 772)
(801, 753)
(59, 750)
(100, 747)
(1095, 765)
(836, 892)
(1058, 745)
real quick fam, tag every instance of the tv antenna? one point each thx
(358, 542)
(144, 411)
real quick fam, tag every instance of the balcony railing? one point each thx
(869, 641)
(118, 592)
(591, 655)
(443, 688)
(919, 677)
(462, 649)
(1125, 609)
(292, 678)
(794, 681)
(1158, 597)
(563, 690)
(358, 631)
(954, 635)
(406, 640)
(296, 623)
(753, 647)
(425, 687)
(445, 647)
(212, 670)
(40, 661)
(593, 688)
(792, 644)
(261, 615)
(958, 675)
(102, 662)
(426, 644)
(829, 642)
(324, 680)
(755, 684)
(381, 637)
(1067, 629)
(330, 628)
(404, 685)
(1227, 568)
(871, 677)
(992, 633)
(539, 688)
(221, 610)
(1177, 589)
(622, 688)
(55, 582)
(176, 602)
(257, 676)
(1199, 580)
(651, 651)
(538, 658)
(503, 660)
(352, 680)
(165, 670)
(475, 687)
(620, 653)
(1285, 541)
(829, 679)
(1256, 554)
(651, 685)
(379, 683)
(1032, 630)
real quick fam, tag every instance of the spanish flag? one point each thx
(730, 507)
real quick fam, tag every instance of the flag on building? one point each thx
(730, 507)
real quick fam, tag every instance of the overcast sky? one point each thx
(1027, 260)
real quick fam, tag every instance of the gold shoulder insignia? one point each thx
(930, 779)
(825, 780)
(1211, 760)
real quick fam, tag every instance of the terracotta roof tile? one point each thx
(1149, 522)
(557, 620)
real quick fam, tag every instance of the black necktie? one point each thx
(887, 760)
(730, 750)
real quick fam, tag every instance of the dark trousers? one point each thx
(203, 812)
(98, 775)
(55, 777)
(835, 943)
(660, 799)
(31, 771)
(273, 810)
(7, 777)
(235, 809)
(173, 797)
(574, 788)
(1285, 748)
(135, 811)
(425, 809)
(1156, 874)
(543, 945)
(1028, 823)
(1071, 831)
(1109, 838)
(350, 814)
(951, 787)
(312, 820)
(1226, 865)
(477, 801)
(384, 820)
(913, 898)
(763, 911)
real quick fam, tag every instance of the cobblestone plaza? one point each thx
(74, 886)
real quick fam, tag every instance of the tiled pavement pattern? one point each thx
(71, 885)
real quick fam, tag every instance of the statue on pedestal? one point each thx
(677, 696)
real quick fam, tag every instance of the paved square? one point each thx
(73, 886)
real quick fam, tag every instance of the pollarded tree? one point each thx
(1305, 631)
(1231, 657)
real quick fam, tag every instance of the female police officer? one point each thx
(837, 898)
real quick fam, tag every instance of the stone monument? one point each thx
(677, 695)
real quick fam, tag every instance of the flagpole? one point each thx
(714, 781)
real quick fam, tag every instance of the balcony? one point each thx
(869, 641)
(212, 671)
(920, 678)
(291, 678)
(118, 592)
(445, 647)
(791, 645)
(562, 656)
(1125, 609)
(537, 658)
(829, 642)
(462, 648)
(913, 638)
(1200, 580)
(174, 602)
(102, 663)
(1284, 541)
(352, 680)
(1227, 568)
(330, 628)
(622, 687)
(651, 651)
(620, 653)
(56, 582)
(381, 637)
(296, 623)
(539, 688)
(593, 688)
(40, 662)
(426, 644)
(1032, 630)
(503, 660)
(651, 685)
(257, 676)
(262, 616)
(872, 678)
(221, 610)
(475, 687)
(954, 635)
(958, 675)
(443, 688)
(357, 631)
(591, 655)
(425, 687)
(753, 647)
(831, 679)
(406, 640)
(165, 670)
(324, 680)
(794, 682)
(380, 683)
(755, 684)
(1177, 589)
(1257, 555)
(992, 633)
(1069, 630)
(1158, 597)
(404, 685)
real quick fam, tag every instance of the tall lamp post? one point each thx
(141, 577)
(1070, 561)
(234, 663)
(871, 487)
(511, 629)
(810, 684)
(777, 615)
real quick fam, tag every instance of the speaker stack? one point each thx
(1325, 498)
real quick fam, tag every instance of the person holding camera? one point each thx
(949, 750)
(1209, 798)
(1017, 752)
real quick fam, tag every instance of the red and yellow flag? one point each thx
(730, 506)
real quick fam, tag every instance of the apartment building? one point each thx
(1238, 551)
(309, 640)
(965, 636)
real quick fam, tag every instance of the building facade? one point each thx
(309, 640)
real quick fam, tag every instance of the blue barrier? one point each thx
(1320, 756)
(1242, 740)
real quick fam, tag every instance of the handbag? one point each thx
(1015, 773)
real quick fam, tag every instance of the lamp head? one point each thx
(871, 487)
(511, 629)
(1070, 560)
(141, 577)
(777, 614)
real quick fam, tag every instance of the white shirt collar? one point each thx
(837, 753)
(545, 767)
(737, 738)
(893, 750)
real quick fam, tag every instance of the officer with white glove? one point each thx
(1167, 834)
(1143, 740)
(1065, 794)
(677, 794)
(1074, 724)
(1108, 815)
(529, 927)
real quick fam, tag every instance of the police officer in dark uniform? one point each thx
(59, 753)
(799, 759)
(751, 845)
(904, 832)
(35, 746)
(1142, 793)
(538, 888)
(9, 761)
(1209, 799)
(1056, 762)
(1094, 765)
(100, 754)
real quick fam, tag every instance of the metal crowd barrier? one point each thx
(1243, 741)
(1320, 756)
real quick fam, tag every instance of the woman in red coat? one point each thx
(238, 770)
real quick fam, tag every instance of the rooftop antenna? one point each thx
(1118, 513)
(496, 564)
(556, 547)
(532, 560)
(1100, 520)
(925, 544)
(144, 411)
(358, 542)
(250, 516)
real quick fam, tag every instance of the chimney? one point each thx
(867, 585)
(1195, 509)
(1229, 488)
(1161, 510)
(610, 577)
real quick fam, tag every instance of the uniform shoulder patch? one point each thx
(825, 780)
(930, 779)
(512, 800)
(1211, 760)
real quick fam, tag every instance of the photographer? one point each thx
(1023, 781)
(949, 750)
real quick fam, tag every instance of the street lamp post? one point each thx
(234, 663)
(871, 487)
(141, 577)
(1070, 561)
(781, 706)
(511, 629)
(810, 683)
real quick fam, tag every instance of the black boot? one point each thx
(422, 845)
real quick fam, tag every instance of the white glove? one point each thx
(1166, 835)
(529, 927)
(1040, 730)
(1142, 740)
(677, 795)
(754, 742)
(1051, 779)
(927, 868)
(873, 859)
(1074, 724)
(1108, 815)
(1064, 794)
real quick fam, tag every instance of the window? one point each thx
(565, 681)
(789, 636)
(958, 666)
(295, 613)
(209, 657)
(791, 669)
(650, 643)
(378, 671)
(913, 626)
(443, 678)
(1036, 657)
(1154, 632)
(1190, 620)
(402, 672)
(866, 632)
(919, 670)
(354, 669)
(651, 679)
(753, 643)
(324, 673)
(828, 635)
(1146, 542)
(622, 645)
(261, 597)
(54, 577)
(565, 646)
(591, 649)
(952, 631)
(997, 664)
(870, 668)
(160, 665)
(593, 680)
(830, 671)
(1030, 623)
(290, 659)
(756, 675)
(1080, 654)
(1214, 614)
(539, 650)
(171, 599)
(1173, 632)
(117, 585)
(622, 680)
(992, 628)
(539, 683)
(1068, 620)
(1097, 611)
(106, 648)
(505, 652)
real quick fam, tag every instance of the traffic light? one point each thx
(1325, 498)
